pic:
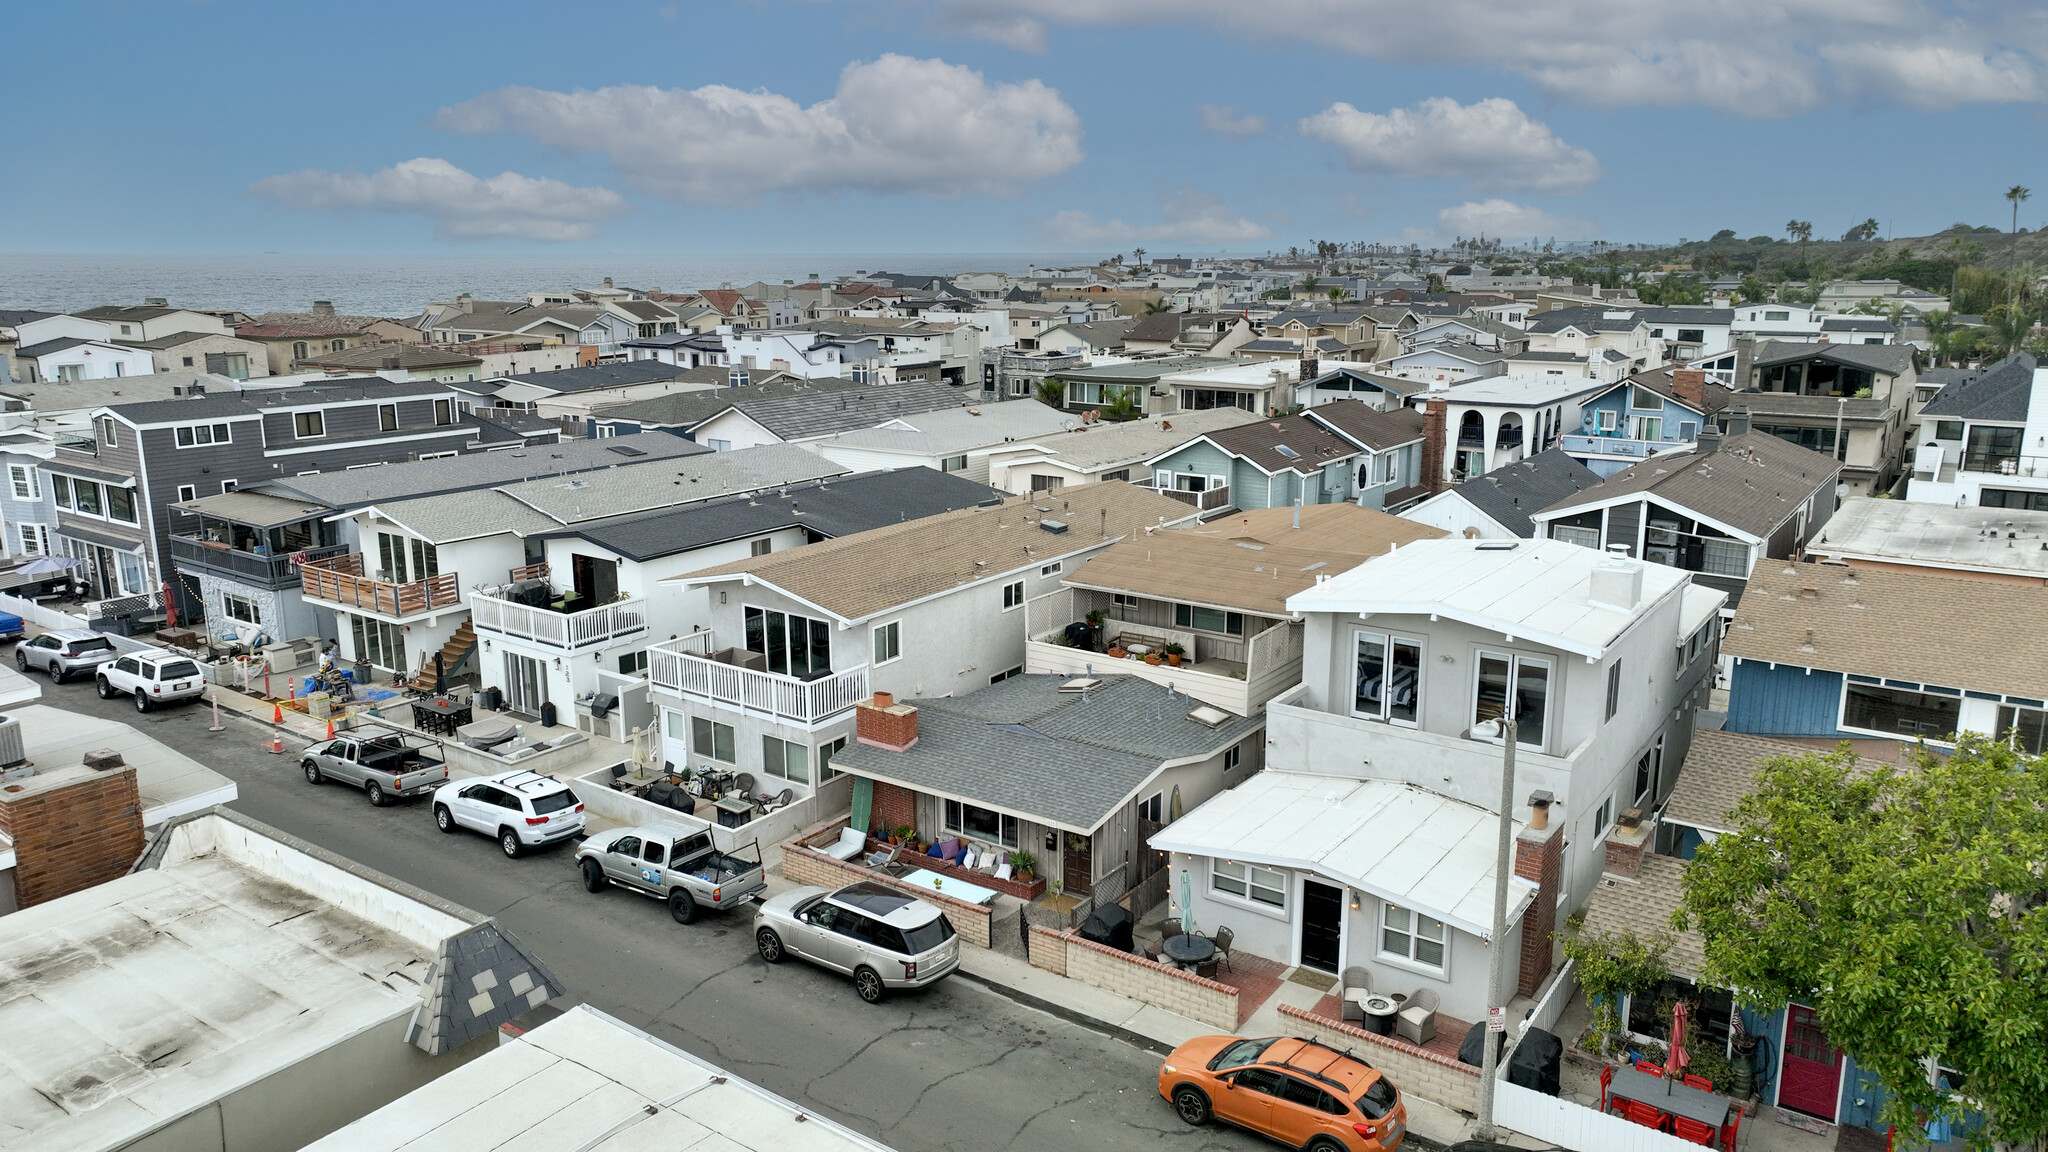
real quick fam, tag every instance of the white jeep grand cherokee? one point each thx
(152, 678)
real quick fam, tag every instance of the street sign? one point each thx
(1496, 1019)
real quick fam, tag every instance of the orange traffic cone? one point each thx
(330, 729)
(277, 713)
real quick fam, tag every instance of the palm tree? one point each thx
(1800, 230)
(1052, 393)
(2016, 194)
(1138, 256)
(2007, 328)
(1941, 329)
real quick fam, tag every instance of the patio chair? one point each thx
(851, 841)
(1699, 1082)
(884, 859)
(782, 799)
(1733, 1128)
(1649, 1069)
(1222, 940)
(744, 784)
(1696, 1131)
(1417, 1021)
(1644, 1114)
(1169, 928)
(1355, 979)
(1606, 1082)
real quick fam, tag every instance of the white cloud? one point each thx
(1187, 217)
(1491, 145)
(1754, 58)
(1504, 218)
(894, 125)
(462, 206)
(1223, 120)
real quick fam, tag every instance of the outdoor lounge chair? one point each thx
(1417, 1021)
(851, 841)
(1355, 979)
(884, 859)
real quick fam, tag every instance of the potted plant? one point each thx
(1116, 652)
(1022, 865)
(1174, 653)
(1154, 659)
(1095, 628)
(902, 833)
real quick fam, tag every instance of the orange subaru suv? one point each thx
(1301, 1093)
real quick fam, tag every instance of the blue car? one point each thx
(11, 627)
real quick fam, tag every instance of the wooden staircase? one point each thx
(451, 653)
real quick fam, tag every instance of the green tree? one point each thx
(1138, 257)
(2017, 194)
(1121, 409)
(1157, 306)
(1800, 230)
(1754, 290)
(1976, 290)
(1610, 966)
(1909, 906)
(1052, 394)
(1941, 333)
(2006, 329)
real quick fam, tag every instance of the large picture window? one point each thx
(1208, 619)
(120, 504)
(1389, 684)
(1249, 882)
(711, 739)
(1516, 687)
(794, 645)
(785, 761)
(963, 819)
(2024, 728)
(1899, 712)
(1406, 934)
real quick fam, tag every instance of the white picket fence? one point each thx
(51, 619)
(1576, 1126)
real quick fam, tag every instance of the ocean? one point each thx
(393, 285)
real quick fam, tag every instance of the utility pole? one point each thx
(1497, 959)
(1841, 449)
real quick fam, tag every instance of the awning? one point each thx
(1396, 842)
(103, 539)
(255, 509)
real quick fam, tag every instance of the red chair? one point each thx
(1606, 1082)
(1729, 1130)
(1694, 1130)
(1699, 1082)
(1641, 1113)
(1648, 1068)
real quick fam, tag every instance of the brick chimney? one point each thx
(72, 827)
(1690, 385)
(883, 723)
(1627, 843)
(1435, 415)
(323, 307)
(1539, 858)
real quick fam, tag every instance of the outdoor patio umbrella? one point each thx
(1676, 1059)
(1187, 905)
(48, 565)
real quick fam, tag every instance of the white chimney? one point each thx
(1617, 582)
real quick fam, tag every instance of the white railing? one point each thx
(1565, 1124)
(681, 667)
(570, 630)
(1618, 445)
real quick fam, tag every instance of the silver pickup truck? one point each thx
(386, 763)
(673, 862)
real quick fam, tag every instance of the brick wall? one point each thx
(895, 807)
(1435, 416)
(803, 865)
(1208, 1001)
(1624, 849)
(72, 829)
(1539, 857)
(1413, 1070)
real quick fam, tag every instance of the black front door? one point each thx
(1322, 925)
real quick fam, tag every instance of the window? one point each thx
(633, 663)
(785, 761)
(2024, 728)
(1053, 569)
(1047, 483)
(825, 754)
(1991, 448)
(1013, 595)
(382, 644)
(107, 434)
(888, 641)
(981, 823)
(403, 559)
(336, 345)
(87, 495)
(761, 547)
(387, 417)
(1609, 419)
(1208, 619)
(1119, 474)
(34, 540)
(1409, 935)
(60, 490)
(1692, 335)
(1390, 468)
(1006, 673)
(1389, 683)
(1603, 817)
(1725, 558)
(444, 412)
(1119, 600)
(299, 350)
(794, 645)
(238, 608)
(1583, 537)
(1529, 702)
(2007, 498)
(1645, 399)
(1613, 689)
(193, 435)
(1646, 772)
(1152, 808)
(121, 504)
(1898, 711)
(953, 464)
(23, 480)
(1232, 757)
(227, 485)
(711, 740)
(1248, 882)
(70, 372)
(308, 425)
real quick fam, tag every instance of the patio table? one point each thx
(439, 715)
(1189, 950)
(957, 889)
(1671, 1096)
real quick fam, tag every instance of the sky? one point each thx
(1179, 126)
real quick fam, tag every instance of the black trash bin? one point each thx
(1470, 1051)
(1534, 1064)
(491, 699)
(547, 714)
(1109, 926)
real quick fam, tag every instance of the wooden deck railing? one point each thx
(339, 580)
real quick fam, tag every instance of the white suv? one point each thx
(522, 809)
(152, 678)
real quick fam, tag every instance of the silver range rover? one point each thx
(884, 939)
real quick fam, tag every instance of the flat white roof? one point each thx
(588, 1082)
(2004, 540)
(1700, 605)
(172, 784)
(1395, 841)
(1534, 589)
(130, 1004)
(1521, 390)
(1258, 374)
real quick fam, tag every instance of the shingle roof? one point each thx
(1067, 759)
(2000, 392)
(684, 409)
(292, 325)
(612, 376)
(859, 576)
(514, 315)
(1250, 561)
(805, 415)
(1510, 494)
(46, 347)
(827, 509)
(1720, 769)
(1309, 446)
(358, 487)
(640, 487)
(1856, 324)
(1658, 380)
(407, 356)
(1754, 483)
(1643, 906)
(1589, 318)
(1107, 444)
(1361, 423)
(9, 317)
(1966, 633)
(251, 402)
(1100, 333)
(126, 312)
(1328, 344)
(1148, 370)
(1892, 359)
(950, 430)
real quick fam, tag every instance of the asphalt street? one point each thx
(956, 1066)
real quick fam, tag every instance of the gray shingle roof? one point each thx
(1023, 746)
(1310, 445)
(1752, 484)
(360, 487)
(1359, 422)
(620, 491)
(1510, 494)
(798, 416)
(2001, 391)
(611, 376)
(1892, 359)
(252, 402)
(46, 347)
(684, 409)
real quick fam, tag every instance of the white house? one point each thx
(77, 358)
(1496, 421)
(955, 440)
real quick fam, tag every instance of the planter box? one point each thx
(1026, 891)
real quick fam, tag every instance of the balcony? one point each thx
(687, 667)
(257, 569)
(544, 624)
(1237, 675)
(1209, 500)
(339, 581)
(1619, 446)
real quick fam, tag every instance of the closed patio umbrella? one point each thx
(1676, 1059)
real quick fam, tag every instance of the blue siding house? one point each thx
(1264, 464)
(1648, 413)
